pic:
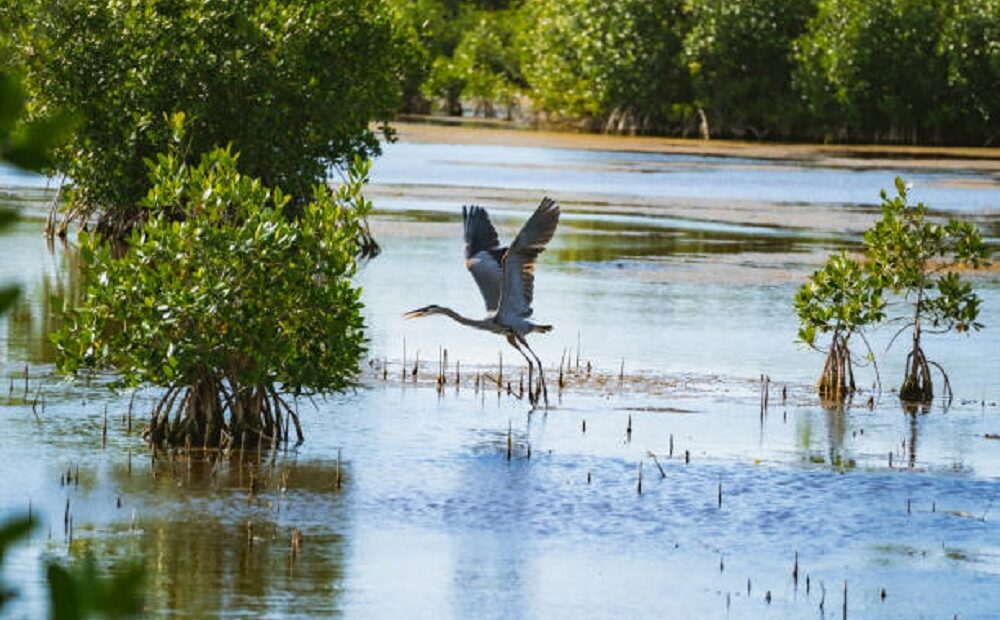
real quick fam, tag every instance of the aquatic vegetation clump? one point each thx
(225, 301)
(840, 299)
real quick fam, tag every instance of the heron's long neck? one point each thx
(486, 324)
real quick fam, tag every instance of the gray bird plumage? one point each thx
(517, 290)
(483, 254)
(506, 278)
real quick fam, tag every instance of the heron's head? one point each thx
(425, 311)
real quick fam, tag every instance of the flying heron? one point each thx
(506, 279)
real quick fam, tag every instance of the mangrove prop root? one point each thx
(837, 380)
(917, 384)
(212, 409)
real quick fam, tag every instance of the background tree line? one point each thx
(897, 71)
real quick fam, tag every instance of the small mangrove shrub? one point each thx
(841, 300)
(910, 277)
(225, 301)
(920, 261)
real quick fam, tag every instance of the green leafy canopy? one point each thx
(600, 60)
(220, 282)
(293, 86)
(840, 297)
(919, 258)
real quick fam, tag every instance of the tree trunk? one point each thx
(917, 385)
(837, 381)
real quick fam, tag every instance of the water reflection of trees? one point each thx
(37, 313)
(597, 241)
(837, 425)
(210, 547)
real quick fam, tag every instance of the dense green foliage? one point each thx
(873, 67)
(484, 67)
(293, 86)
(612, 64)
(224, 301)
(28, 143)
(459, 49)
(305, 79)
(917, 258)
(737, 56)
(908, 71)
(971, 44)
(917, 261)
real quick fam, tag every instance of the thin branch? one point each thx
(947, 382)
(901, 330)
(878, 377)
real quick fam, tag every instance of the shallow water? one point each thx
(433, 520)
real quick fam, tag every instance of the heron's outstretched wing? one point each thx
(483, 254)
(518, 287)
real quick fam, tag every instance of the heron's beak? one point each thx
(412, 314)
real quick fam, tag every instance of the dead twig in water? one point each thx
(795, 571)
(845, 599)
(338, 479)
(34, 405)
(663, 474)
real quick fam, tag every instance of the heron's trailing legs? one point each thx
(531, 384)
(541, 372)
